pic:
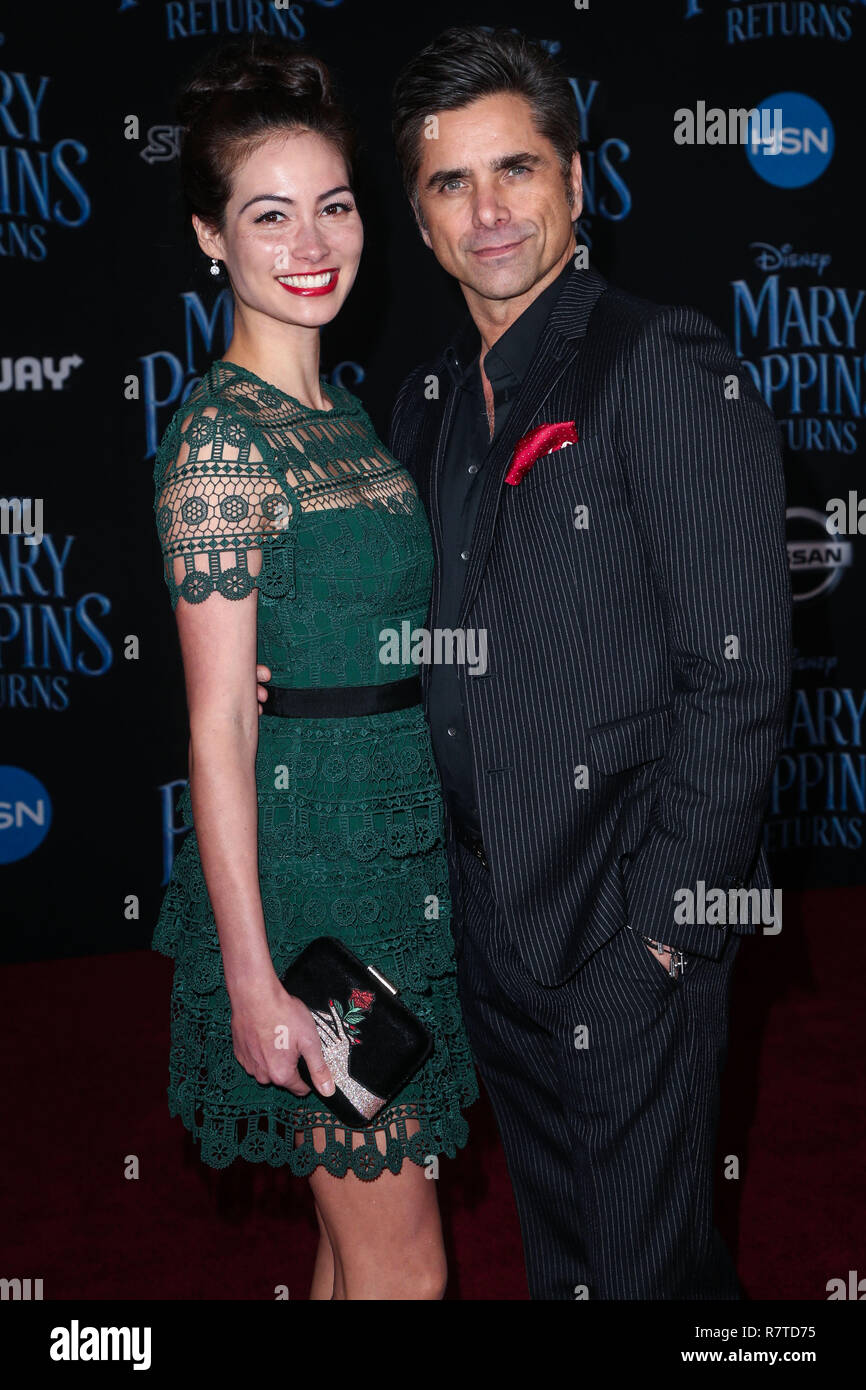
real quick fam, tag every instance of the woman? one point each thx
(293, 538)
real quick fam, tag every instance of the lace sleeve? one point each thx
(226, 520)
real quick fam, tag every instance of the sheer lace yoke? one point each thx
(239, 464)
(327, 461)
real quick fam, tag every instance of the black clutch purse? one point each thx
(371, 1042)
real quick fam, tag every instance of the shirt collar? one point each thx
(511, 354)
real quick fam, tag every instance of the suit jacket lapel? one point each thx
(434, 474)
(560, 342)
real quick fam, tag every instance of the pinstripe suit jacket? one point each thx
(606, 639)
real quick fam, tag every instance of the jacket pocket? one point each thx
(625, 743)
(570, 459)
(646, 964)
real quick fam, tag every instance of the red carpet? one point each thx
(87, 1047)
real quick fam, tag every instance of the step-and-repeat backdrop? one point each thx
(109, 317)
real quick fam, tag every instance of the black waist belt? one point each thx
(342, 702)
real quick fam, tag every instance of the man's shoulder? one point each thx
(634, 314)
(628, 308)
(430, 368)
(421, 387)
(636, 307)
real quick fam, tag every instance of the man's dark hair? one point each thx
(467, 62)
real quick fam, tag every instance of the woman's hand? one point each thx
(271, 1029)
(263, 674)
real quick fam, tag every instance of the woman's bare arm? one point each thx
(218, 646)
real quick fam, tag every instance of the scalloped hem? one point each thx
(220, 1146)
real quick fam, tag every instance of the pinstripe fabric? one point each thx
(619, 756)
(610, 1144)
(606, 643)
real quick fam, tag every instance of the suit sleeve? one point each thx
(404, 395)
(704, 465)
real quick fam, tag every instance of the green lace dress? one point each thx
(350, 826)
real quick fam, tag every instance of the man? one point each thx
(617, 747)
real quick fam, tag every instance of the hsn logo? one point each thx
(801, 145)
(25, 814)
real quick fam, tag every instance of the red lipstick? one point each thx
(306, 291)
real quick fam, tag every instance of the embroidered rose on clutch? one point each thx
(360, 1003)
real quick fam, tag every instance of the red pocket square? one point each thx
(544, 439)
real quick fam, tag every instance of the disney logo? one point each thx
(775, 257)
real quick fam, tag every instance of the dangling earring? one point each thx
(214, 266)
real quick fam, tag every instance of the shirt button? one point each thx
(464, 555)
(473, 468)
(452, 731)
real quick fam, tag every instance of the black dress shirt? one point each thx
(466, 452)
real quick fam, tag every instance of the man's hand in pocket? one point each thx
(663, 956)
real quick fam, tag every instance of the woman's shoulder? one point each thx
(219, 392)
(217, 403)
